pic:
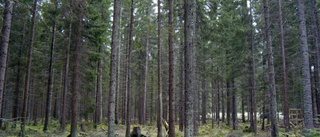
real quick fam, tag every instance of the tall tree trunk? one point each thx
(218, 101)
(272, 88)
(171, 72)
(317, 43)
(75, 78)
(144, 113)
(242, 108)
(234, 106)
(50, 79)
(159, 111)
(204, 102)
(228, 103)
(66, 83)
(181, 85)
(27, 80)
(252, 80)
(128, 118)
(118, 69)
(284, 72)
(213, 100)
(98, 111)
(190, 16)
(307, 103)
(114, 46)
(222, 102)
(5, 37)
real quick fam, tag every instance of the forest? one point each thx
(160, 68)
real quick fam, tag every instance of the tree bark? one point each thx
(75, 78)
(66, 83)
(171, 72)
(284, 72)
(144, 113)
(128, 117)
(114, 46)
(204, 102)
(317, 43)
(228, 103)
(190, 17)
(159, 113)
(181, 85)
(307, 103)
(50, 79)
(5, 37)
(98, 111)
(272, 88)
(234, 106)
(27, 80)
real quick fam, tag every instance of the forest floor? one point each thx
(149, 131)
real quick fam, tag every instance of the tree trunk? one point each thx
(284, 71)
(213, 100)
(307, 103)
(159, 114)
(5, 37)
(50, 79)
(66, 83)
(204, 102)
(114, 46)
(27, 80)
(234, 106)
(98, 111)
(272, 88)
(317, 43)
(171, 72)
(228, 103)
(75, 78)
(118, 69)
(145, 80)
(128, 118)
(181, 85)
(190, 16)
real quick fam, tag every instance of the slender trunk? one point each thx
(65, 84)
(98, 112)
(118, 70)
(181, 85)
(284, 72)
(114, 45)
(75, 78)
(213, 101)
(307, 104)
(128, 118)
(159, 114)
(50, 79)
(190, 17)
(252, 97)
(171, 72)
(145, 81)
(5, 37)
(242, 108)
(27, 80)
(317, 43)
(204, 102)
(218, 101)
(272, 88)
(234, 106)
(228, 103)
(222, 102)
